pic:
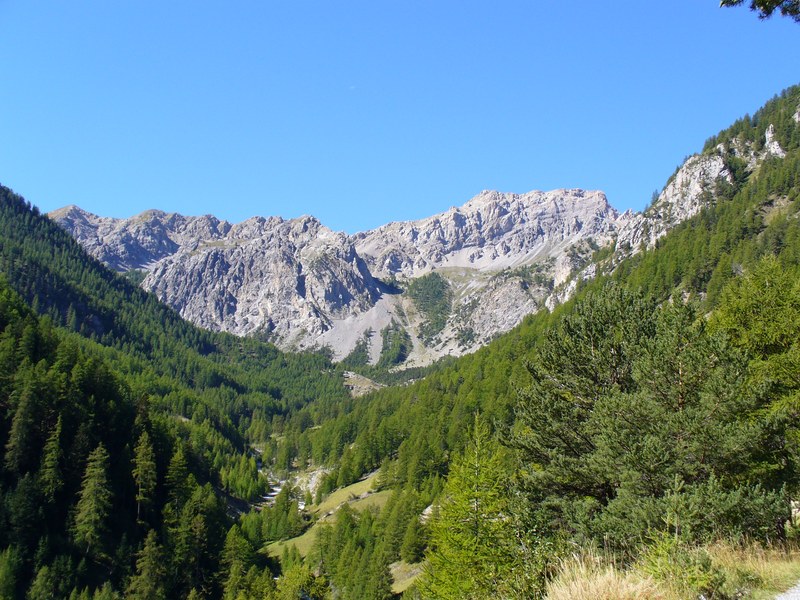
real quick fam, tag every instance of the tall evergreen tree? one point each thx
(94, 504)
(148, 582)
(144, 473)
(22, 436)
(471, 552)
(50, 475)
(177, 479)
(586, 356)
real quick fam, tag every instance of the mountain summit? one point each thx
(483, 265)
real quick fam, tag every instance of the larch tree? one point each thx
(94, 504)
(144, 473)
(148, 582)
(50, 476)
(765, 8)
(470, 552)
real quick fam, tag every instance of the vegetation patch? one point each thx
(396, 346)
(359, 356)
(434, 300)
(538, 274)
(404, 575)
(345, 494)
(669, 570)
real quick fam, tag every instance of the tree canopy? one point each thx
(765, 8)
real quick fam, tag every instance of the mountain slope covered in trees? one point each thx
(136, 414)
(413, 433)
(660, 404)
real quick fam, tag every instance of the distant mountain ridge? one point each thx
(303, 285)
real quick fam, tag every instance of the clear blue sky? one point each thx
(365, 112)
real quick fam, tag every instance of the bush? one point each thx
(679, 565)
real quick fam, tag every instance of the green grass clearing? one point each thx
(404, 575)
(377, 500)
(351, 495)
(303, 542)
(345, 494)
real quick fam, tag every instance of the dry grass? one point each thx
(404, 575)
(770, 570)
(752, 571)
(590, 577)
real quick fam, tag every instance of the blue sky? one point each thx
(362, 113)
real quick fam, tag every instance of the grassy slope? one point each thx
(358, 495)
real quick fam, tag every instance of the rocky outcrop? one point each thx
(303, 285)
(687, 191)
(141, 241)
(288, 280)
(493, 231)
(692, 187)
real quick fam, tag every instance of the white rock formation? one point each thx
(771, 145)
(141, 241)
(285, 279)
(493, 231)
(303, 285)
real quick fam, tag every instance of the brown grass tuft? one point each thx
(589, 577)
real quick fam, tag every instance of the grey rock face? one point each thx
(138, 242)
(303, 285)
(286, 279)
(492, 231)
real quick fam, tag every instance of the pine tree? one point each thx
(470, 553)
(144, 473)
(148, 582)
(587, 356)
(50, 476)
(177, 479)
(237, 558)
(9, 566)
(299, 582)
(94, 505)
(21, 445)
(44, 585)
(106, 592)
(413, 541)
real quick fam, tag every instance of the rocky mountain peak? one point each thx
(499, 257)
(493, 230)
(304, 285)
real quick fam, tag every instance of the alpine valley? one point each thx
(622, 418)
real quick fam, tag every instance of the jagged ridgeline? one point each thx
(452, 281)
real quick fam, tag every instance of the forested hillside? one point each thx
(755, 217)
(162, 415)
(91, 473)
(654, 413)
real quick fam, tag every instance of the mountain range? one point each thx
(497, 258)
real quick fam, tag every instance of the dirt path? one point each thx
(792, 594)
